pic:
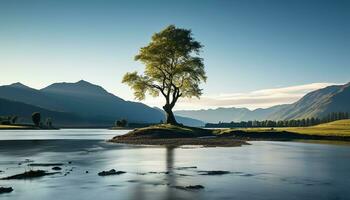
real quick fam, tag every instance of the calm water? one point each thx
(264, 170)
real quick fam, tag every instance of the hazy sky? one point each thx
(250, 46)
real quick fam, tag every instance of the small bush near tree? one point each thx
(121, 123)
(36, 117)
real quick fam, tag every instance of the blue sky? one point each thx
(250, 45)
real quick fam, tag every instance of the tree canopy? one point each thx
(173, 68)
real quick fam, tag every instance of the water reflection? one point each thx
(170, 176)
(140, 192)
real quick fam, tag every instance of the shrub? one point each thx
(36, 117)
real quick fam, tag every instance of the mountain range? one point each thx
(77, 105)
(318, 103)
(83, 104)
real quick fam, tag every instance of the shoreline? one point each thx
(176, 142)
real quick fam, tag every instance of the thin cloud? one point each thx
(252, 100)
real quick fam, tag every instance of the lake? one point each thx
(263, 170)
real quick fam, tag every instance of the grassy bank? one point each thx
(336, 128)
(340, 128)
(24, 127)
(16, 127)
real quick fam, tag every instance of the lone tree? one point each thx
(36, 118)
(172, 67)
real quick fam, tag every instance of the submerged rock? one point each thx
(166, 172)
(111, 172)
(5, 189)
(57, 168)
(183, 168)
(215, 172)
(30, 174)
(190, 187)
(45, 164)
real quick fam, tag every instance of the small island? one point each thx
(172, 135)
(177, 135)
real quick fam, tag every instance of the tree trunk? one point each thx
(170, 117)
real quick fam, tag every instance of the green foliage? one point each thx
(36, 118)
(173, 67)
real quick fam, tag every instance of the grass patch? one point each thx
(336, 128)
(167, 131)
(339, 128)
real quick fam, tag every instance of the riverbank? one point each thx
(337, 130)
(176, 142)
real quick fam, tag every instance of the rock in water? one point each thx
(29, 174)
(190, 187)
(45, 164)
(111, 172)
(218, 172)
(57, 168)
(195, 187)
(5, 189)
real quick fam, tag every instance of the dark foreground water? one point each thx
(264, 170)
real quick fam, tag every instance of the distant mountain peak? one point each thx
(79, 87)
(19, 85)
(83, 82)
